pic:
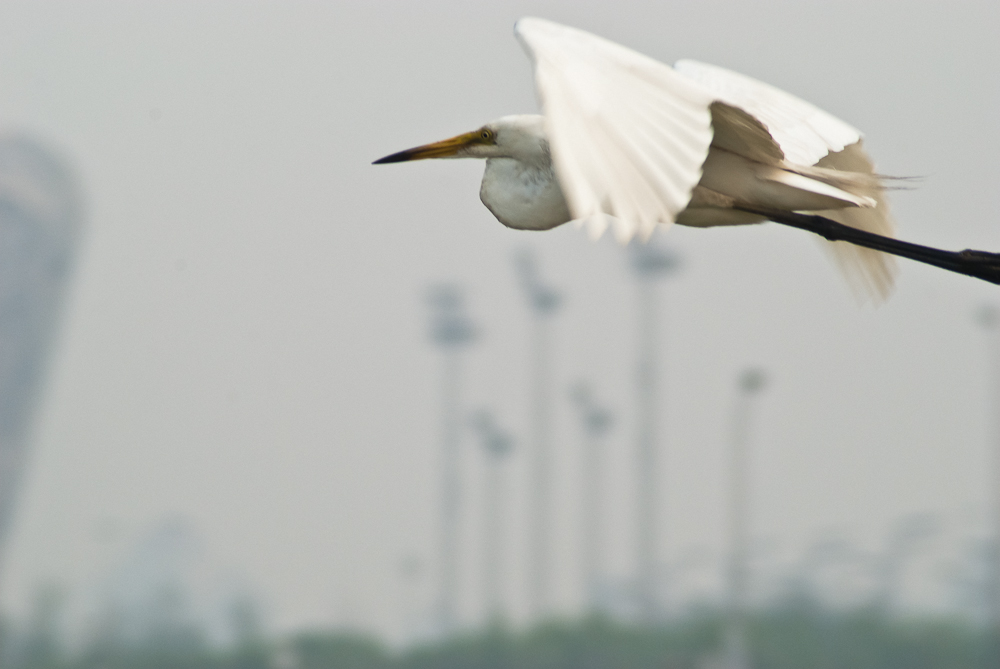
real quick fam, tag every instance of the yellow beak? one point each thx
(442, 149)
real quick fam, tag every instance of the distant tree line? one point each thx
(793, 635)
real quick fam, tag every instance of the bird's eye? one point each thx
(486, 134)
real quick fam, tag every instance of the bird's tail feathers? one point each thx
(864, 185)
(870, 273)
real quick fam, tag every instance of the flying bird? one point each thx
(630, 142)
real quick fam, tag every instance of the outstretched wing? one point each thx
(628, 134)
(804, 132)
(810, 136)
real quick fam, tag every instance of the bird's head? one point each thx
(521, 137)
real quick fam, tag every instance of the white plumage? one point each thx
(628, 141)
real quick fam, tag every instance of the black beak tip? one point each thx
(394, 158)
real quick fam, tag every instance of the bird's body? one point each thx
(522, 195)
(631, 142)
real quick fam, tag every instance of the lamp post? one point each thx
(749, 385)
(497, 446)
(989, 318)
(452, 331)
(543, 301)
(410, 572)
(650, 262)
(596, 421)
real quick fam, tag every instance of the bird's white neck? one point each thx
(521, 137)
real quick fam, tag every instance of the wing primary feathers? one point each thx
(628, 134)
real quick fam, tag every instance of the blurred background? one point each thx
(265, 404)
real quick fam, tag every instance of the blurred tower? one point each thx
(543, 302)
(452, 331)
(650, 262)
(40, 221)
(497, 445)
(750, 383)
(596, 421)
(989, 319)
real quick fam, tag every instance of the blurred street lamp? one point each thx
(544, 301)
(649, 262)
(749, 384)
(596, 421)
(497, 446)
(988, 317)
(411, 570)
(452, 331)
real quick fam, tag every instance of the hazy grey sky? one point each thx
(246, 343)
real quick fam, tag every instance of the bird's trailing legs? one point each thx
(979, 264)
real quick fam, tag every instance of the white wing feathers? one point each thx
(825, 149)
(804, 132)
(628, 134)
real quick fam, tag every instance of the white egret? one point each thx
(630, 141)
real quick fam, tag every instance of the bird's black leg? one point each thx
(979, 264)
